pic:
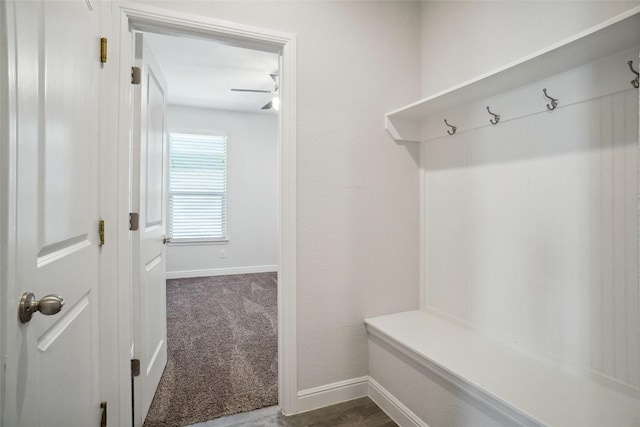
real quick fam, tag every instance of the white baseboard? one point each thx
(342, 391)
(221, 271)
(396, 410)
(330, 394)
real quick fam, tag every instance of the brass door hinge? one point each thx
(103, 418)
(103, 50)
(136, 74)
(101, 231)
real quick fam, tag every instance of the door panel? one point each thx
(155, 148)
(149, 198)
(52, 361)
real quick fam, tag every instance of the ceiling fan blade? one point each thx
(252, 90)
(268, 105)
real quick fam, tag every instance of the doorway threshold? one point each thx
(241, 418)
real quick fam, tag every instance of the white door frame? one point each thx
(8, 161)
(139, 17)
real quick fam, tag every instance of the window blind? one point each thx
(197, 187)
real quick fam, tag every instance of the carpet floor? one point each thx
(222, 348)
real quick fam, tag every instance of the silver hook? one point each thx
(554, 101)
(453, 128)
(495, 116)
(634, 82)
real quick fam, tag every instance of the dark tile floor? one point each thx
(355, 413)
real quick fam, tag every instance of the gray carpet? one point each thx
(222, 342)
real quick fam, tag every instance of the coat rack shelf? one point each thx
(407, 124)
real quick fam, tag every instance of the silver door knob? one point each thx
(50, 304)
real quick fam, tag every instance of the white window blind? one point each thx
(197, 187)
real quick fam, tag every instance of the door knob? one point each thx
(166, 239)
(50, 304)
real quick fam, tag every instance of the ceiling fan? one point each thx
(274, 103)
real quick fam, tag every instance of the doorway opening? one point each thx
(221, 204)
(139, 18)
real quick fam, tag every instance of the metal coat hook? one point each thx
(453, 128)
(634, 82)
(554, 101)
(496, 117)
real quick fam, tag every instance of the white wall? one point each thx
(357, 191)
(252, 194)
(531, 225)
(464, 39)
(532, 233)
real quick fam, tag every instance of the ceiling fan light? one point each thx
(275, 103)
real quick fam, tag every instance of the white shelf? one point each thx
(529, 390)
(612, 36)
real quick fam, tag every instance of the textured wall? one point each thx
(357, 191)
(252, 190)
(464, 39)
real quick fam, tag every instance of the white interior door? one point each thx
(52, 214)
(149, 199)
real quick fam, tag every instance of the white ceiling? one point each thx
(201, 73)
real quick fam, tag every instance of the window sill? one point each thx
(194, 242)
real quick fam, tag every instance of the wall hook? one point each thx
(453, 128)
(634, 82)
(496, 117)
(554, 101)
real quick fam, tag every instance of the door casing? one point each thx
(7, 160)
(144, 18)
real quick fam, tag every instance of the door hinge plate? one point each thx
(134, 221)
(103, 418)
(135, 367)
(135, 75)
(101, 231)
(103, 50)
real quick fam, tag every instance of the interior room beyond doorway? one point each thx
(243, 252)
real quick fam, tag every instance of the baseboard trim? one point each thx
(395, 409)
(342, 391)
(221, 271)
(330, 394)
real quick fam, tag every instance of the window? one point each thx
(197, 187)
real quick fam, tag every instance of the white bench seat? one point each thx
(523, 389)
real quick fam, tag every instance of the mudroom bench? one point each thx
(426, 370)
(528, 245)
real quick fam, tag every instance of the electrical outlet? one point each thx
(223, 253)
